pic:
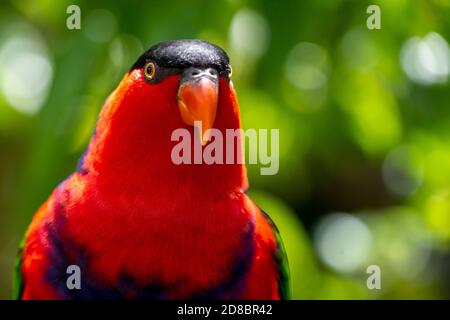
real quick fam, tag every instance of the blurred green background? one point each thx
(364, 118)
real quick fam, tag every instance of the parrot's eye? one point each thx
(149, 70)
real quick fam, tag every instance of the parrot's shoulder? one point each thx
(17, 278)
(270, 232)
(29, 253)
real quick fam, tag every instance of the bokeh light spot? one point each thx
(306, 66)
(342, 241)
(249, 34)
(26, 73)
(427, 60)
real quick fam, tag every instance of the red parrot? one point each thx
(138, 225)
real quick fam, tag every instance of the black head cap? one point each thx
(186, 53)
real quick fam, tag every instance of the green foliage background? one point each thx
(357, 135)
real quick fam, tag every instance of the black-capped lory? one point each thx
(136, 224)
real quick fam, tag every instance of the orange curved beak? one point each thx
(197, 100)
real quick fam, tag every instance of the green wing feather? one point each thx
(281, 260)
(17, 279)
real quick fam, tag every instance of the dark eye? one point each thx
(149, 70)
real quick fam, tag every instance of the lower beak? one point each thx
(197, 101)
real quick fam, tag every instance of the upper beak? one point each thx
(197, 98)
